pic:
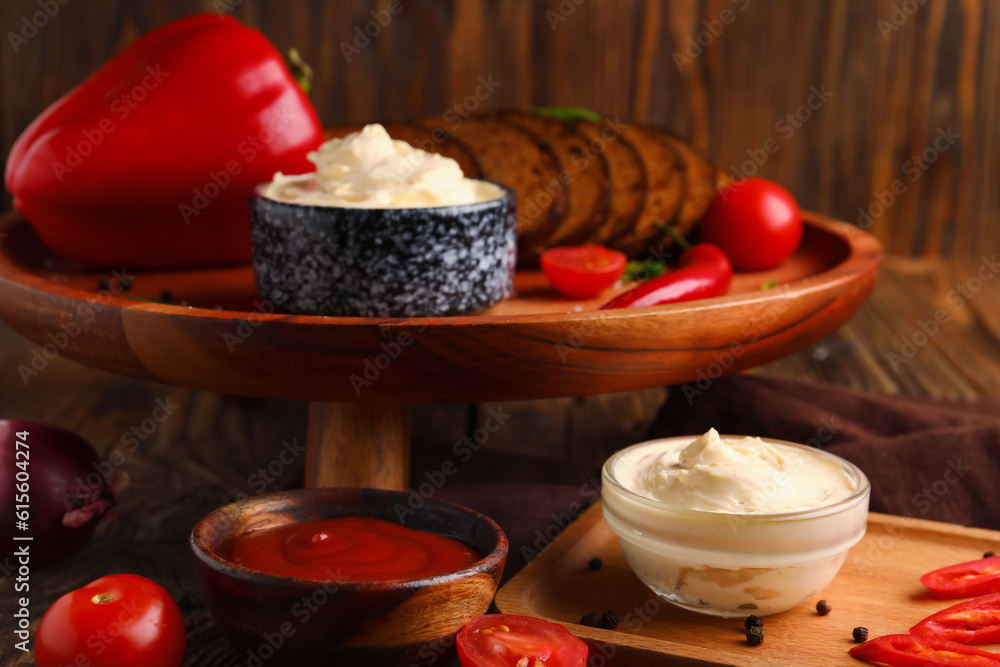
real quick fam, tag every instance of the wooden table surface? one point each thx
(931, 328)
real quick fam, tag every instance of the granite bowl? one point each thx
(383, 262)
(278, 620)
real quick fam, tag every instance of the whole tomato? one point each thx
(756, 222)
(116, 621)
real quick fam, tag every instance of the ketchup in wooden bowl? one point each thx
(354, 548)
(344, 576)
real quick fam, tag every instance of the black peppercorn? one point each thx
(166, 296)
(609, 620)
(860, 634)
(755, 635)
(595, 564)
(125, 283)
(591, 620)
(104, 283)
(753, 621)
(989, 554)
(823, 607)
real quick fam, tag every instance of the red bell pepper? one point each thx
(977, 577)
(975, 621)
(910, 651)
(149, 161)
(703, 272)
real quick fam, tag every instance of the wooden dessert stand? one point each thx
(360, 375)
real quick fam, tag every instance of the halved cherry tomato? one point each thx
(975, 621)
(756, 222)
(977, 577)
(583, 271)
(123, 619)
(506, 640)
(910, 651)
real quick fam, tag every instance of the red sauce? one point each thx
(354, 548)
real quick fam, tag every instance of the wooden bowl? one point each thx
(289, 621)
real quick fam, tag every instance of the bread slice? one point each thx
(584, 176)
(666, 188)
(702, 182)
(626, 174)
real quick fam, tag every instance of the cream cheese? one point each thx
(369, 169)
(746, 475)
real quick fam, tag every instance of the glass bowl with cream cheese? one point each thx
(382, 229)
(734, 526)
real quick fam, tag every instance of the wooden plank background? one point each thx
(730, 74)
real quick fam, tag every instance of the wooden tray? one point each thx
(361, 374)
(537, 344)
(878, 588)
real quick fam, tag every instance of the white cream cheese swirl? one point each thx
(746, 475)
(369, 169)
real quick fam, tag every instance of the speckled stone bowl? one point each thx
(390, 262)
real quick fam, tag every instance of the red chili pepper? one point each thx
(910, 651)
(150, 160)
(977, 577)
(975, 621)
(703, 272)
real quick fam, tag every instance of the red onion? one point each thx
(67, 494)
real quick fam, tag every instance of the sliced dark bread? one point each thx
(514, 157)
(702, 182)
(584, 176)
(626, 174)
(665, 191)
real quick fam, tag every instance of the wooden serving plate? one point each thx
(362, 373)
(878, 588)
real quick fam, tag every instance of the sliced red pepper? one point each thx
(910, 651)
(975, 621)
(703, 272)
(150, 160)
(977, 577)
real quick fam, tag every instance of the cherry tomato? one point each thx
(756, 222)
(502, 640)
(583, 271)
(975, 621)
(978, 577)
(910, 651)
(123, 619)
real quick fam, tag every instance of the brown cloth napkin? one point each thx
(925, 458)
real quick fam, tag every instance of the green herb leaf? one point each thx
(643, 270)
(768, 285)
(674, 234)
(568, 114)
